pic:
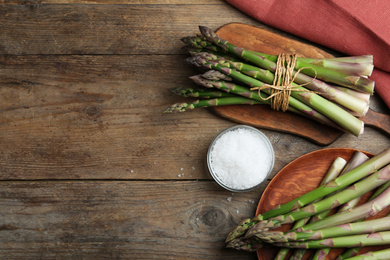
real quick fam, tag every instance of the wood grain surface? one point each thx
(90, 168)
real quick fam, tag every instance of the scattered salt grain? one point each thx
(229, 199)
(241, 158)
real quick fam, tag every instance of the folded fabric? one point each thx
(352, 27)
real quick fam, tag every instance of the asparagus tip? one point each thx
(179, 107)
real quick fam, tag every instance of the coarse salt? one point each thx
(241, 158)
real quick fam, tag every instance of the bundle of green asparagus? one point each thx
(334, 91)
(354, 222)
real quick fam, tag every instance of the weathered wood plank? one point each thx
(129, 220)
(62, 116)
(106, 29)
(100, 117)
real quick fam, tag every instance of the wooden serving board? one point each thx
(262, 116)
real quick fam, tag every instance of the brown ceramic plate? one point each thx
(297, 178)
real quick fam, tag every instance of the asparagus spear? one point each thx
(215, 75)
(353, 251)
(364, 69)
(251, 245)
(342, 118)
(374, 239)
(357, 94)
(367, 209)
(373, 255)
(358, 213)
(330, 93)
(357, 159)
(356, 190)
(366, 168)
(367, 59)
(362, 227)
(351, 216)
(229, 87)
(223, 101)
(200, 42)
(296, 106)
(360, 65)
(356, 82)
(199, 92)
(352, 100)
(334, 170)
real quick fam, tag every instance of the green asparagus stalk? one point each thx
(367, 209)
(358, 213)
(200, 42)
(357, 94)
(298, 254)
(215, 75)
(335, 169)
(364, 69)
(223, 101)
(353, 251)
(256, 58)
(339, 183)
(330, 93)
(323, 252)
(342, 118)
(360, 65)
(356, 102)
(374, 239)
(367, 59)
(296, 106)
(362, 227)
(357, 159)
(229, 87)
(282, 253)
(199, 92)
(336, 77)
(251, 245)
(356, 190)
(373, 255)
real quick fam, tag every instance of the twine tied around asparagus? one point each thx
(282, 85)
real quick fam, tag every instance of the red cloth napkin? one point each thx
(353, 27)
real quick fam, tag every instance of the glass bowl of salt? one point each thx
(240, 158)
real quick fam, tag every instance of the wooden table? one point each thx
(90, 167)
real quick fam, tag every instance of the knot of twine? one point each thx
(281, 88)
